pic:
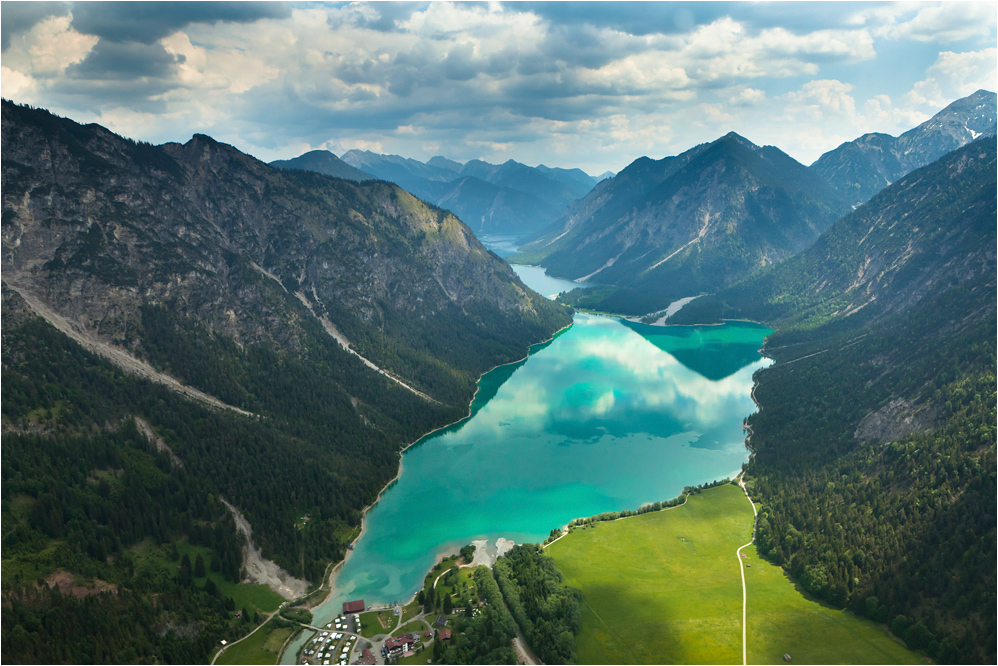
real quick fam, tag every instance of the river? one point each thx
(608, 415)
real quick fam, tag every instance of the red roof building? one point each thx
(367, 659)
(394, 646)
(444, 634)
(353, 607)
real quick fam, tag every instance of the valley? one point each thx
(310, 357)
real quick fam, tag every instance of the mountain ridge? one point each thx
(218, 274)
(669, 228)
(862, 167)
(509, 198)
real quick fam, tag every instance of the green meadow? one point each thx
(664, 587)
(260, 648)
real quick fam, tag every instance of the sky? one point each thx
(591, 85)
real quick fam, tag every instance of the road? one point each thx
(741, 568)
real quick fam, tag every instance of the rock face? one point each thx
(861, 168)
(665, 229)
(97, 226)
(929, 231)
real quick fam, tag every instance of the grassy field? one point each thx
(664, 588)
(782, 621)
(260, 648)
(371, 626)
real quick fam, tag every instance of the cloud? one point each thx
(47, 49)
(955, 75)
(148, 22)
(16, 85)
(17, 18)
(125, 62)
(587, 84)
(944, 22)
(822, 98)
(678, 18)
(746, 96)
(383, 16)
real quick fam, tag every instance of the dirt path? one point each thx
(741, 568)
(119, 357)
(262, 570)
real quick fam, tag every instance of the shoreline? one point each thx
(328, 578)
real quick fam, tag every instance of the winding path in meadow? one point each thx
(741, 568)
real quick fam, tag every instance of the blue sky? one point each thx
(592, 85)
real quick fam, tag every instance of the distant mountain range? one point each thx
(508, 198)
(861, 168)
(664, 229)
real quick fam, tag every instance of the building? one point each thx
(398, 645)
(444, 634)
(353, 607)
(366, 659)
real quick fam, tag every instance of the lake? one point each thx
(535, 277)
(609, 415)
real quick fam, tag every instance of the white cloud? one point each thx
(955, 75)
(821, 98)
(50, 47)
(485, 81)
(16, 85)
(943, 22)
(231, 70)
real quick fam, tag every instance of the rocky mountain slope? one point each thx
(664, 229)
(861, 168)
(932, 229)
(874, 445)
(97, 226)
(199, 326)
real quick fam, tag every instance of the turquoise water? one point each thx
(537, 279)
(502, 244)
(534, 277)
(609, 415)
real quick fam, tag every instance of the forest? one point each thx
(486, 638)
(873, 450)
(82, 486)
(548, 611)
(901, 531)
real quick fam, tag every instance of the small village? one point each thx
(395, 634)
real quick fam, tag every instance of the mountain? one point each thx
(861, 168)
(187, 329)
(323, 161)
(490, 209)
(929, 230)
(410, 174)
(664, 229)
(874, 443)
(508, 198)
